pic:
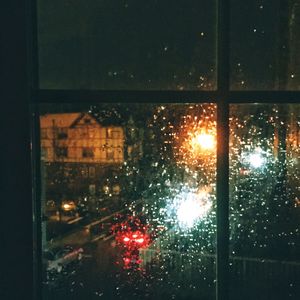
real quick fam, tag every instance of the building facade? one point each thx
(81, 156)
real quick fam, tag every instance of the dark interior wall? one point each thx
(15, 192)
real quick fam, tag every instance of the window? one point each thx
(263, 139)
(109, 133)
(87, 152)
(267, 58)
(92, 189)
(62, 133)
(92, 133)
(82, 132)
(61, 152)
(209, 193)
(92, 172)
(44, 133)
(84, 172)
(109, 153)
(115, 134)
(99, 46)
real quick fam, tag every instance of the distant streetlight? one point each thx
(256, 159)
(193, 207)
(204, 141)
(188, 207)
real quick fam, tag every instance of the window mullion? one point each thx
(122, 96)
(222, 199)
(223, 83)
(37, 200)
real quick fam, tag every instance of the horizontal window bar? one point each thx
(77, 96)
(73, 96)
(264, 96)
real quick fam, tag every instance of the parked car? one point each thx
(57, 259)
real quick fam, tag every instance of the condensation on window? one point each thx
(267, 59)
(140, 223)
(124, 44)
(264, 200)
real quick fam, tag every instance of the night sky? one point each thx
(161, 45)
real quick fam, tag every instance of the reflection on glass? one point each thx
(130, 210)
(264, 201)
(267, 59)
(126, 44)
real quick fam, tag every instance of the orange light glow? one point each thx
(66, 206)
(204, 140)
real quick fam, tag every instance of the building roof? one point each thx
(63, 119)
(58, 120)
(70, 120)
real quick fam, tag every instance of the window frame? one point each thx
(222, 97)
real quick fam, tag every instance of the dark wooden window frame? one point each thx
(222, 96)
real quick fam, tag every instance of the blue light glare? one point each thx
(256, 159)
(187, 208)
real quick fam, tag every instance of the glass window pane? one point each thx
(144, 224)
(265, 45)
(126, 44)
(264, 201)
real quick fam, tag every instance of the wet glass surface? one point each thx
(142, 223)
(264, 201)
(153, 45)
(265, 45)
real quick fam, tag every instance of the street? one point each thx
(102, 273)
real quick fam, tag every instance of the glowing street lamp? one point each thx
(256, 159)
(187, 213)
(188, 207)
(204, 141)
(194, 206)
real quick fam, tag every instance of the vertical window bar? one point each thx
(37, 192)
(33, 83)
(222, 201)
(223, 81)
